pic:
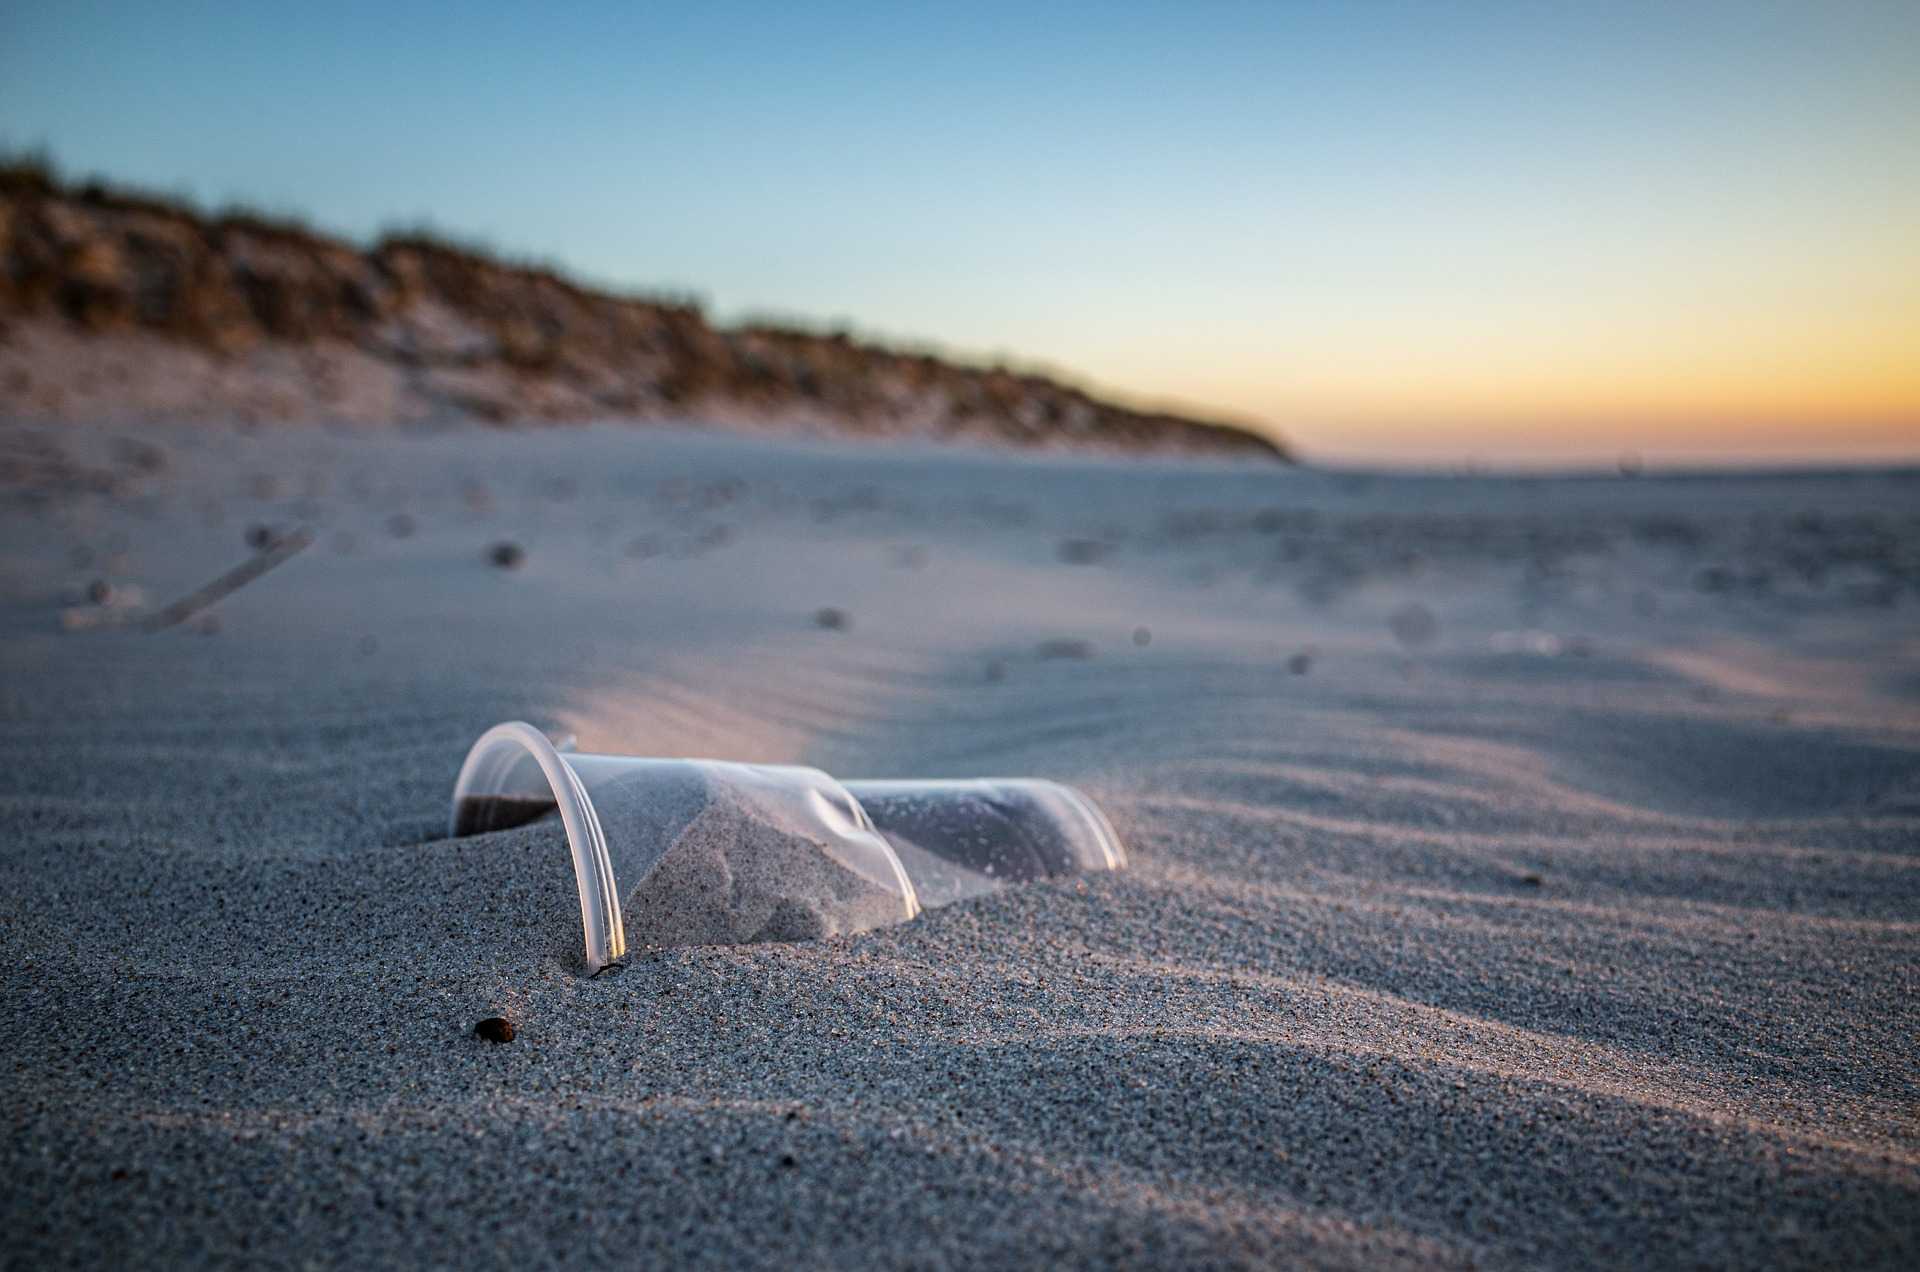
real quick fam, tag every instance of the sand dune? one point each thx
(1573, 923)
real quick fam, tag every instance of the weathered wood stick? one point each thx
(233, 580)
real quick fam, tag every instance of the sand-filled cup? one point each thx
(702, 852)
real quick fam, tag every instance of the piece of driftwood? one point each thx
(238, 577)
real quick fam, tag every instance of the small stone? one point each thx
(100, 591)
(495, 1029)
(1715, 578)
(1413, 625)
(1300, 664)
(1083, 551)
(1531, 881)
(788, 1161)
(507, 555)
(261, 537)
(833, 620)
(1142, 636)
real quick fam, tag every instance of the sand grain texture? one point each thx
(1580, 930)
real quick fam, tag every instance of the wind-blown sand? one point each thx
(1523, 871)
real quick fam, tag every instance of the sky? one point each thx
(1435, 233)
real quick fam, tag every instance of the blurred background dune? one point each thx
(1483, 233)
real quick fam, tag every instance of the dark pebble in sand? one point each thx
(788, 1161)
(99, 591)
(1065, 649)
(260, 537)
(1413, 624)
(1083, 551)
(400, 526)
(1300, 664)
(506, 555)
(1142, 636)
(495, 1029)
(834, 620)
(1531, 881)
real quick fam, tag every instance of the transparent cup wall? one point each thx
(670, 851)
(959, 839)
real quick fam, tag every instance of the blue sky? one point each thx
(1439, 230)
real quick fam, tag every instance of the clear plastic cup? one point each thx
(959, 839)
(685, 852)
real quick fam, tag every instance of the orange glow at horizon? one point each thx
(1826, 377)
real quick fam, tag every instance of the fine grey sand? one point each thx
(1523, 871)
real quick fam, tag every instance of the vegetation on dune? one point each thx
(523, 340)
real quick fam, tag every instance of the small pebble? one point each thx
(507, 555)
(1413, 625)
(1083, 551)
(100, 591)
(1531, 880)
(261, 537)
(1300, 664)
(495, 1029)
(834, 620)
(1715, 578)
(1142, 636)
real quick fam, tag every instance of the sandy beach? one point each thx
(1523, 870)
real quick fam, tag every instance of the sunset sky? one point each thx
(1430, 232)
